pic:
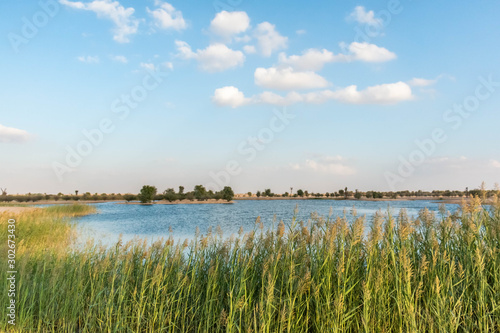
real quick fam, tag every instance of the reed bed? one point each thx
(438, 272)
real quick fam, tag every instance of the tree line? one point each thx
(201, 193)
(149, 193)
(346, 193)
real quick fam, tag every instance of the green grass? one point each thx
(434, 273)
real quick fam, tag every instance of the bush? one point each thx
(147, 194)
(129, 197)
(170, 195)
(227, 193)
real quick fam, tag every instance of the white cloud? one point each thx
(419, 82)
(125, 23)
(288, 79)
(89, 59)
(230, 96)
(383, 94)
(334, 165)
(227, 24)
(119, 58)
(360, 15)
(167, 17)
(268, 39)
(300, 32)
(314, 59)
(184, 50)
(249, 49)
(390, 93)
(370, 52)
(13, 135)
(215, 58)
(147, 66)
(218, 57)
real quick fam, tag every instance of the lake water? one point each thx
(153, 221)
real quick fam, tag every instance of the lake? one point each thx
(154, 221)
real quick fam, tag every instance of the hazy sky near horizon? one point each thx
(105, 96)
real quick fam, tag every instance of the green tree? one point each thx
(147, 194)
(170, 195)
(345, 193)
(258, 194)
(200, 193)
(249, 194)
(227, 193)
(300, 193)
(357, 195)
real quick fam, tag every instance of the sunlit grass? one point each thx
(8, 204)
(434, 273)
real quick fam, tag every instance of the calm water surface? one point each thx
(153, 222)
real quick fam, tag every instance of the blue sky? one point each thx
(383, 95)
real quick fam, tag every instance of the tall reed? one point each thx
(438, 272)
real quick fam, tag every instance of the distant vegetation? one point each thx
(341, 274)
(345, 193)
(200, 193)
(146, 195)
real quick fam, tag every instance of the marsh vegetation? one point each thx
(437, 272)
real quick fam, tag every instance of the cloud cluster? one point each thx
(231, 26)
(292, 73)
(314, 59)
(383, 94)
(297, 72)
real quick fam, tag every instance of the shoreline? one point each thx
(214, 201)
(434, 199)
(178, 202)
